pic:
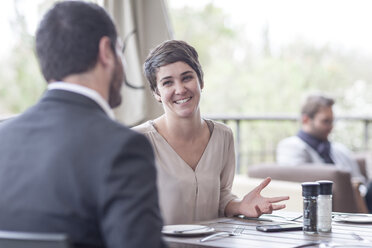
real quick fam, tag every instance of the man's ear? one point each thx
(305, 119)
(105, 53)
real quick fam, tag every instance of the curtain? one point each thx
(142, 25)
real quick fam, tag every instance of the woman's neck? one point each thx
(180, 128)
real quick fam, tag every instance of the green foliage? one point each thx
(241, 80)
(22, 86)
(203, 30)
(21, 82)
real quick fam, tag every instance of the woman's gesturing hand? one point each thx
(254, 204)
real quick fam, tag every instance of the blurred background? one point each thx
(260, 60)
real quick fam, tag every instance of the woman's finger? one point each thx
(258, 210)
(278, 206)
(262, 185)
(267, 209)
(270, 209)
(278, 199)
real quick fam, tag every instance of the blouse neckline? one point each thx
(151, 122)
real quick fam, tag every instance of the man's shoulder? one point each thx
(293, 151)
(115, 131)
(292, 141)
(12, 123)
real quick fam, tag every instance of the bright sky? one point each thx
(342, 23)
(27, 8)
(5, 15)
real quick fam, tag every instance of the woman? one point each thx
(194, 157)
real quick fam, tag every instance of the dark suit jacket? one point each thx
(66, 167)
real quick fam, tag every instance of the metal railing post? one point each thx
(237, 146)
(366, 135)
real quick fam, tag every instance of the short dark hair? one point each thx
(314, 103)
(68, 37)
(169, 52)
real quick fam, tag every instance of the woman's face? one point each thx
(178, 89)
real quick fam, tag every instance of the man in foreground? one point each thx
(66, 165)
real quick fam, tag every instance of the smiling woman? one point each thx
(194, 156)
(178, 89)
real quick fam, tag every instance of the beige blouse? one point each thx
(186, 195)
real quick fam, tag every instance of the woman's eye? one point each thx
(166, 83)
(187, 78)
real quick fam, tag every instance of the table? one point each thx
(340, 235)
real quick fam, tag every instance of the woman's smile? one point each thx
(183, 100)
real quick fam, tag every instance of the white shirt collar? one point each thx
(82, 90)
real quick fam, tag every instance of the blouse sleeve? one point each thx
(227, 172)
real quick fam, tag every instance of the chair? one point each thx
(33, 240)
(346, 197)
(361, 158)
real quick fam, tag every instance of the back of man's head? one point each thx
(314, 103)
(68, 36)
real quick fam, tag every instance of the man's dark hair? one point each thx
(68, 37)
(314, 103)
(169, 52)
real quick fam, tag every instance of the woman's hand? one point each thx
(254, 204)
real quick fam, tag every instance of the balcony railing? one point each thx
(256, 137)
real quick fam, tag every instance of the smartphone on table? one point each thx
(280, 227)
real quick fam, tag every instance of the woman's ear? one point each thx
(157, 96)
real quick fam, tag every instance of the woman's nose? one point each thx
(180, 88)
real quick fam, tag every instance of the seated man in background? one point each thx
(66, 166)
(311, 144)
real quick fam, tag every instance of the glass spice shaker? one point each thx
(310, 192)
(325, 206)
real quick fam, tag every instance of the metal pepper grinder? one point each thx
(310, 192)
